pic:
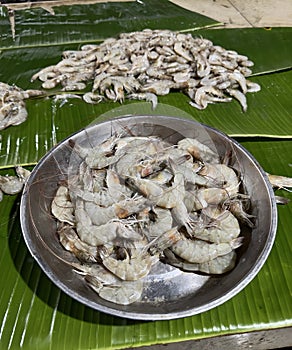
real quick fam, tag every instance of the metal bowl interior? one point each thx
(168, 292)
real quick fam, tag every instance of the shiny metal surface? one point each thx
(168, 292)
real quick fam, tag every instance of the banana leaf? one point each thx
(80, 23)
(29, 298)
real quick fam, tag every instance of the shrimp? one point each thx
(198, 150)
(134, 151)
(71, 242)
(206, 196)
(104, 233)
(224, 227)
(93, 98)
(11, 184)
(147, 96)
(222, 176)
(236, 208)
(161, 222)
(14, 184)
(191, 175)
(151, 166)
(240, 96)
(238, 78)
(163, 241)
(103, 197)
(98, 159)
(133, 267)
(173, 194)
(108, 286)
(181, 216)
(101, 155)
(216, 266)
(119, 210)
(146, 187)
(122, 292)
(162, 196)
(115, 188)
(279, 181)
(197, 251)
(162, 177)
(62, 208)
(182, 52)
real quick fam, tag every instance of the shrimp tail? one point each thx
(236, 242)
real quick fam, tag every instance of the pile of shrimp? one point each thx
(134, 201)
(12, 104)
(142, 65)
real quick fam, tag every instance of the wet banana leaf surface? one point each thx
(34, 313)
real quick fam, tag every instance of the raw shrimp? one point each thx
(122, 209)
(147, 96)
(198, 150)
(161, 222)
(236, 208)
(71, 242)
(279, 181)
(105, 196)
(133, 267)
(122, 292)
(115, 188)
(147, 188)
(142, 65)
(163, 241)
(22, 173)
(108, 232)
(219, 265)
(134, 151)
(181, 216)
(197, 251)
(240, 96)
(101, 155)
(161, 177)
(132, 200)
(11, 184)
(108, 286)
(224, 226)
(62, 207)
(174, 193)
(165, 197)
(220, 175)
(206, 196)
(93, 98)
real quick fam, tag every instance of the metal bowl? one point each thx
(168, 292)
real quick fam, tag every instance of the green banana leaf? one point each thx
(81, 23)
(34, 313)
